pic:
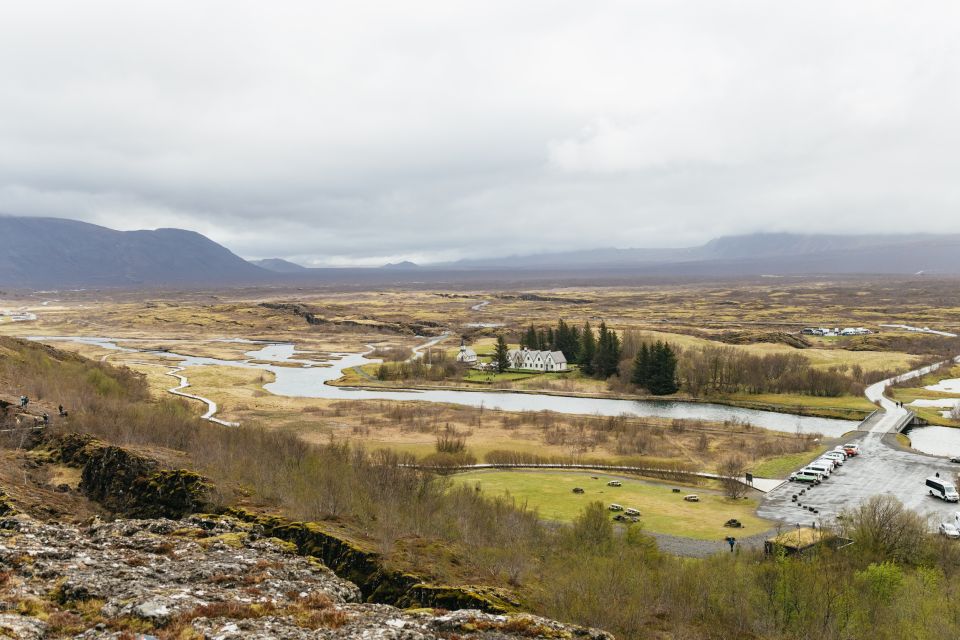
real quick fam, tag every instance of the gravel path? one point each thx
(695, 548)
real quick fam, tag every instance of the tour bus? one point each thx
(943, 489)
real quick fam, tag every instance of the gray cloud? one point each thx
(436, 130)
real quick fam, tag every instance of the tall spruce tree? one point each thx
(502, 354)
(530, 341)
(562, 340)
(641, 367)
(607, 358)
(588, 350)
(663, 370)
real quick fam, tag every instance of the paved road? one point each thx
(880, 469)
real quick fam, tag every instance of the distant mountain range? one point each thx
(406, 264)
(52, 253)
(758, 253)
(279, 265)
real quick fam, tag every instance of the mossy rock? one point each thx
(488, 599)
(6, 507)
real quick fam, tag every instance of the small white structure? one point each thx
(528, 360)
(466, 355)
(854, 331)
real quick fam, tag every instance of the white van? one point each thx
(823, 468)
(943, 489)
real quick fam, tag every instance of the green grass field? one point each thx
(781, 466)
(662, 511)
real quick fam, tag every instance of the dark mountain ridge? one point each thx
(55, 252)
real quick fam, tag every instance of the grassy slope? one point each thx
(781, 466)
(662, 511)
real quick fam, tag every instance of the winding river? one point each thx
(309, 380)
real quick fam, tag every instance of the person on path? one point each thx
(24, 401)
(732, 542)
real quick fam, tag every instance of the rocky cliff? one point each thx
(205, 577)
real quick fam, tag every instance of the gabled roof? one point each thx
(558, 357)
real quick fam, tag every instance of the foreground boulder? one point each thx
(204, 577)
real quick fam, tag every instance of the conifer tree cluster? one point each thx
(597, 353)
(565, 338)
(655, 368)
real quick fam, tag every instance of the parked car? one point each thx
(615, 507)
(805, 476)
(692, 497)
(949, 530)
(833, 462)
(837, 456)
(614, 483)
(852, 446)
(943, 489)
(631, 512)
(577, 490)
(955, 459)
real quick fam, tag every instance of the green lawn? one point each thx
(846, 407)
(662, 511)
(489, 377)
(781, 466)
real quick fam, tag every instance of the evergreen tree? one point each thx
(542, 340)
(607, 358)
(573, 343)
(663, 370)
(551, 340)
(588, 350)
(641, 367)
(530, 341)
(502, 355)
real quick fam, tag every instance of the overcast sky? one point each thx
(363, 132)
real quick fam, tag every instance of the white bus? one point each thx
(942, 489)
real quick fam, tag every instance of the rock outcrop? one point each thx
(131, 485)
(205, 577)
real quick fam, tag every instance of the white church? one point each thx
(528, 360)
(466, 355)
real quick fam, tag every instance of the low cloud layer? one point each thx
(375, 131)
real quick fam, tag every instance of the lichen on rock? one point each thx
(205, 577)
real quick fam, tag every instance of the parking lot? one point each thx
(880, 469)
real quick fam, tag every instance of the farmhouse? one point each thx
(528, 360)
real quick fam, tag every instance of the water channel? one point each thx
(309, 381)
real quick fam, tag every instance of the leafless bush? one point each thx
(732, 469)
(451, 441)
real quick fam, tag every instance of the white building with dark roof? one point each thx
(466, 355)
(529, 360)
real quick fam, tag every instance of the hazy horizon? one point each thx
(431, 132)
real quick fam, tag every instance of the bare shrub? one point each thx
(732, 469)
(451, 441)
